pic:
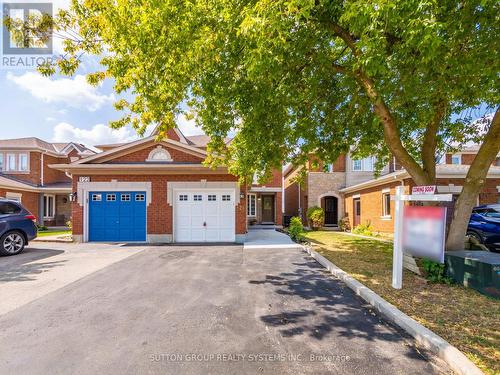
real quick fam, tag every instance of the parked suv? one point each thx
(484, 225)
(17, 227)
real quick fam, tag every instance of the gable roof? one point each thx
(33, 143)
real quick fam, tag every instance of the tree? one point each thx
(370, 76)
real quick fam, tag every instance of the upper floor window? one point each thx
(159, 154)
(365, 164)
(328, 168)
(11, 162)
(23, 162)
(14, 162)
(456, 159)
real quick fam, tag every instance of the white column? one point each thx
(397, 258)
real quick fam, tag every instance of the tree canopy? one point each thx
(374, 77)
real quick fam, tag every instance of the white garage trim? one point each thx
(190, 230)
(83, 189)
(203, 184)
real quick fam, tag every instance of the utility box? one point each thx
(479, 270)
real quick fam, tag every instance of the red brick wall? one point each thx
(274, 181)
(29, 199)
(50, 175)
(371, 200)
(292, 191)
(159, 220)
(142, 155)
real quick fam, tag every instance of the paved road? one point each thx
(271, 309)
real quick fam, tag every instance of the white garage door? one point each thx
(204, 216)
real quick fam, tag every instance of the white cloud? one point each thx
(74, 92)
(99, 134)
(188, 127)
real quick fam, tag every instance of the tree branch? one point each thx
(429, 145)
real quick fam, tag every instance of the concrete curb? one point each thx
(51, 239)
(423, 336)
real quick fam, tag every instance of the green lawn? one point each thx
(463, 317)
(54, 233)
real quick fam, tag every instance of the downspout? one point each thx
(41, 170)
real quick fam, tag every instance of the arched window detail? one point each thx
(159, 154)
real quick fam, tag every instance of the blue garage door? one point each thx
(117, 216)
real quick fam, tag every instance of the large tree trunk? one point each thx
(472, 185)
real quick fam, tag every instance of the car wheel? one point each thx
(12, 243)
(475, 235)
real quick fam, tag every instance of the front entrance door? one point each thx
(357, 211)
(268, 209)
(331, 211)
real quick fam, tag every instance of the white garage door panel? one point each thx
(204, 216)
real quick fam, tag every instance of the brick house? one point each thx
(159, 192)
(25, 176)
(322, 184)
(349, 188)
(370, 202)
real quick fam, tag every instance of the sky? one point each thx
(61, 108)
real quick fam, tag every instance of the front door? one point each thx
(268, 208)
(357, 211)
(331, 211)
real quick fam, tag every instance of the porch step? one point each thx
(331, 228)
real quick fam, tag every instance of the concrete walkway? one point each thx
(267, 239)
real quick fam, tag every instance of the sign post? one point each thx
(428, 222)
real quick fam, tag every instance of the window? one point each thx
(226, 197)
(251, 205)
(1, 162)
(357, 165)
(140, 197)
(14, 196)
(11, 162)
(110, 197)
(183, 197)
(197, 197)
(212, 197)
(125, 197)
(365, 164)
(456, 159)
(7, 208)
(96, 197)
(328, 168)
(23, 162)
(386, 204)
(49, 206)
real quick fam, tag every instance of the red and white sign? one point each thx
(424, 231)
(423, 190)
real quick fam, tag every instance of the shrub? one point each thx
(316, 216)
(435, 272)
(344, 224)
(364, 229)
(296, 229)
(69, 224)
(41, 228)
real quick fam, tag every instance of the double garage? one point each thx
(198, 215)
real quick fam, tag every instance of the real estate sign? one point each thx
(424, 232)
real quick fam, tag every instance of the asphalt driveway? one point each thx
(204, 310)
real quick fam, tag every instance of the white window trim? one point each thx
(360, 165)
(2, 163)
(7, 164)
(159, 150)
(14, 196)
(386, 215)
(45, 197)
(255, 205)
(27, 162)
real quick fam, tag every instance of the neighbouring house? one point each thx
(370, 201)
(348, 188)
(25, 176)
(320, 184)
(161, 192)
